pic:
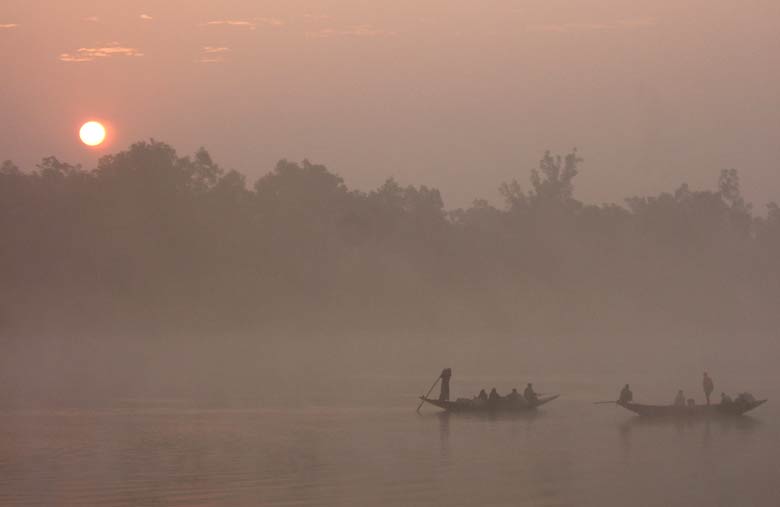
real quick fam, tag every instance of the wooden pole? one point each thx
(429, 392)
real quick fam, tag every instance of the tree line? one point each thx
(151, 240)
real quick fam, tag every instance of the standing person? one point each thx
(530, 394)
(708, 386)
(626, 396)
(444, 394)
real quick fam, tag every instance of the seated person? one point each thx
(679, 400)
(626, 396)
(482, 395)
(725, 399)
(494, 396)
(745, 398)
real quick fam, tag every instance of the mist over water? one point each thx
(327, 422)
(364, 445)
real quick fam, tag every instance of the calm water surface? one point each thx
(569, 453)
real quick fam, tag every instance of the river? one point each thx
(380, 452)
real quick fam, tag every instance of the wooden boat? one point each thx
(502, 405)
(730, 409)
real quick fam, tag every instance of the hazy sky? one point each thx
(458, 94)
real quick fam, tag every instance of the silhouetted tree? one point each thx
(162, 241)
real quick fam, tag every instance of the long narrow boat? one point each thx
(502, 405)
(729, 409)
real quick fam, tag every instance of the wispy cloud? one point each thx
(270, 21)
(8, 25)
(215, 49)
(240, 23)
(91, 19)
(146, 17)
(213, 54)
(92, 54)
(354, 31)
(70, 58)
(250, 24)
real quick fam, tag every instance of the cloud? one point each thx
(251, 24)
(215, 49)
(146, 17)
(92, 54)
(8, 25)
(232, 22)
(355, 31)
(213, 54)
(270, 21)
(91, 19)
(69, 57)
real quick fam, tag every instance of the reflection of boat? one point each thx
(502, 405)
(728, 409)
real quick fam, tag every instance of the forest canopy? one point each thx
(153, 241)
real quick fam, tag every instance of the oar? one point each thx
(602, 402)
(429, 392)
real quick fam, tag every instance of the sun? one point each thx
(92, 133)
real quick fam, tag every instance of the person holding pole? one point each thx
(708, 386)
(444, 394)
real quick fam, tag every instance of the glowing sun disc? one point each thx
(92, 133)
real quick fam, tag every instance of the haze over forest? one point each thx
(166, 250)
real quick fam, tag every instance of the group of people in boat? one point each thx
(528, 396)
(707, 385)
(626, 396)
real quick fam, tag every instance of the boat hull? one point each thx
(498, 406)
(719, 410)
